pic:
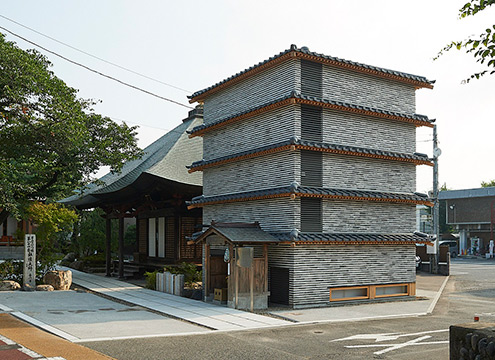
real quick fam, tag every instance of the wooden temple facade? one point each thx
(153, 190)
(319, 153)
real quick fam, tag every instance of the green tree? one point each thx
(482, 47)
(51, 141)
(488, 183)
(49, 219)
(89, 235)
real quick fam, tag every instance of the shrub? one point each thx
(11, 270)
(189, 270)
(151, 279)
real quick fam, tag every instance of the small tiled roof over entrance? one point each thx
(238, 233)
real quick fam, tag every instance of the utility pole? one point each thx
(436, 216)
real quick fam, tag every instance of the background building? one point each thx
(472, 213)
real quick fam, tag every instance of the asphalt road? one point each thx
(469, 292)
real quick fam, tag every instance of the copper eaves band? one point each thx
(322, 196)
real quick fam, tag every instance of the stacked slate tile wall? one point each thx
(270, 85)
(312, 269)
(311, 278)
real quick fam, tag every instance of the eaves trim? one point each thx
(296, 98)
(296, 144)
(303, 53)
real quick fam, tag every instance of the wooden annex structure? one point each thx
(321, 153)
(153, 191)
(236, 261)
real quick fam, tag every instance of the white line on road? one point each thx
(386, 345)
(44, 326)
(5, 308)
(387, 336)
(399, 346)
(437, 296)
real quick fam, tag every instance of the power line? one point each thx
(135, 123)
(95, 57)
(97, 72)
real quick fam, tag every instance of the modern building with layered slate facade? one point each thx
(321, 152)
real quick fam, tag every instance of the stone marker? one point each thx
(44, 288)
(9, 285)
(28, 287)
(29, 260)
(60, 280)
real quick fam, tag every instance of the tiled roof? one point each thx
(349, 237)
(242, 233)
(313, 144)
(332, 59)
(236, 233)
(306, 191)
(298, 95)
(165, 158)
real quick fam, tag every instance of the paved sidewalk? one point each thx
(429, 289)
(142, 313)
(198, 312)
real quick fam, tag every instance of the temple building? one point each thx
(152, 190)
(309, 161)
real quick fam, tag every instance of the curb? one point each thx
(437, 296)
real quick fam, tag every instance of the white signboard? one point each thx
(30, 260)
(432, 249)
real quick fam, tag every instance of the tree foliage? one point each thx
(49, 220)
(488, 183)
(482, 47)
(90, 235)
(51, 141)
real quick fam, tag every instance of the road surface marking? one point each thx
(390, 347)
(387, 336)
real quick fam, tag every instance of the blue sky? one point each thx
(195, 44)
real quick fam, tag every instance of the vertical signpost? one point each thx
(29, 261)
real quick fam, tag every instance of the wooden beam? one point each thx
(108, 247)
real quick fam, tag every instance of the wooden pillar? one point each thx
(108, 247)
(177, 232)
(251, 285)
(207, 271)
(265, 256)
(121, 247)
(236, 276)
